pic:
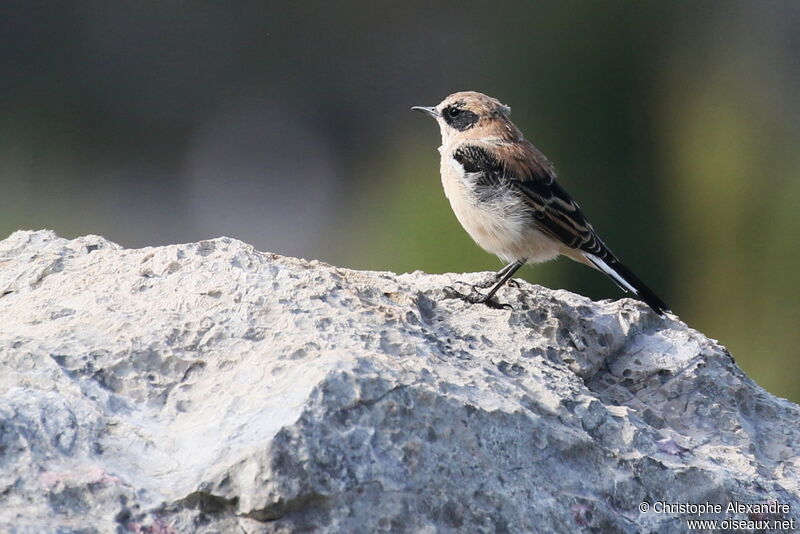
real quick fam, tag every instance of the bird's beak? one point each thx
(430, 111)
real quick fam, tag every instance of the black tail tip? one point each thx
(656, 304)
(641, 290)
(663, 312)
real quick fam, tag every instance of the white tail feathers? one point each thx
(603, 266)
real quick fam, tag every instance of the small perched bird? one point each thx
(505, 195)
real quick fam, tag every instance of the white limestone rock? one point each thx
(209, 387)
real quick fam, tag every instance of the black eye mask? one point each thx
(459, 118)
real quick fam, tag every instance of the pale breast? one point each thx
(499, 223)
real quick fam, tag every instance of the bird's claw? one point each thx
(475, 288)
(475, 297)
(492, 281)
(479, 298)
(486, 284)
(452, 293)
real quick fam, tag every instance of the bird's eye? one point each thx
(459, 117)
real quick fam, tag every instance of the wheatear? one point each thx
(505, 195)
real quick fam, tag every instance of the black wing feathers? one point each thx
(477, 160)
(556, 214)
(560, 216)
(554, 211)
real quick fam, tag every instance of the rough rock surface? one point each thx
(209, 387)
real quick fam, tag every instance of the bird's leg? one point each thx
(497, 276)
(500, 278)
(507, 272)
(476, 297)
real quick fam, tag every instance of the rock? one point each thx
(209, 387)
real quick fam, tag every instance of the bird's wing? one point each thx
(522, 168)
(519, 166)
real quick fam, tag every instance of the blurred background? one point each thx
(676, 125)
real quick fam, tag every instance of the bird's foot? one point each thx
(475, 297)
(486, 284)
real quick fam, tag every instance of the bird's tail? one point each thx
(627, 281)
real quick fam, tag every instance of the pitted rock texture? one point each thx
(209, 387)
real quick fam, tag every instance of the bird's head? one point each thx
(471, 114)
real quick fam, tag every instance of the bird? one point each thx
(504, 192)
